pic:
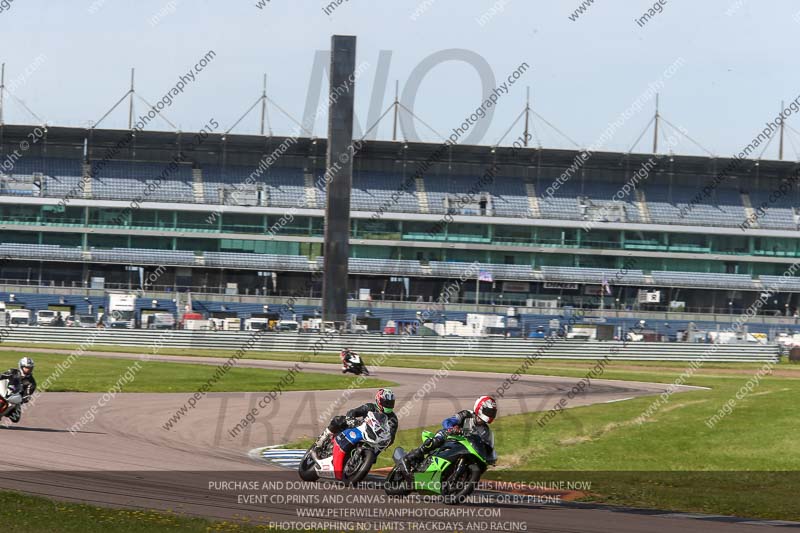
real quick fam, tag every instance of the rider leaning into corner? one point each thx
(475, 422)
(20, 380)
(384, 403)
(346, 355)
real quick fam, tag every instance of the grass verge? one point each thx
(97, 374)
(747, 464)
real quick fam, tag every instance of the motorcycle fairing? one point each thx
(338, 459)
(8, 398)
(466, 443)
(431, 479)
(353, 435)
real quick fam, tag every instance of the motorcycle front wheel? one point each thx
(306, 468)
(358, 465)
(396, 484)
(457, 488)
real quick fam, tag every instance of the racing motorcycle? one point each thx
(356, 366)
(349, 455)
(452, 471)
(10, 399)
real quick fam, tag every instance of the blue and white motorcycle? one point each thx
(348, 456)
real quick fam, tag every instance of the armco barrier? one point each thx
(406, 345)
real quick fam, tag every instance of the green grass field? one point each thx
(673, 460)
(747, 464)
(40, 515)
(96, 374)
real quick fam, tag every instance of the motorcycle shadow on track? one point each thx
(47, 430)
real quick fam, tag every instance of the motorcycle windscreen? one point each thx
(377, 427)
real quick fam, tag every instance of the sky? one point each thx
(69, 62)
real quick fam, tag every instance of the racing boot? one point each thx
(413, 458)
(326, 434)
(15, 415)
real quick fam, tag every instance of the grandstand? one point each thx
(220, 226)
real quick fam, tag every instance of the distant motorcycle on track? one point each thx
(355, 366)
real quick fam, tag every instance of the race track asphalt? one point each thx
(127, 458)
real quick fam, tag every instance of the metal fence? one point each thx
(400, 345)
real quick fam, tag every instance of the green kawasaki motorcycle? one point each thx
(453, 470)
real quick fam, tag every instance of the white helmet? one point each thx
(26, 362)
(486, 408)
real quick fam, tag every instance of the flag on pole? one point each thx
(606, 286)
(483, 275)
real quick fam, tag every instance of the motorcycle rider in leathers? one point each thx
(475, 422)
(384, 403)
(20, 380)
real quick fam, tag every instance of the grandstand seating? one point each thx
(58, 176)
(412, 268)
(509, 197)
(722, 208)
(582, 199)
(374, 189)
(779, 213)
(780, 283)
(593, 275)
(563, 204)
(382, 266)
(261, 261)
(282, 187)
(703, 279)
(143, 256)
(128, 180)
(49, 252)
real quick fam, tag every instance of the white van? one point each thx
(46, 317)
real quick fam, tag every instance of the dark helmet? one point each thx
(385, 400)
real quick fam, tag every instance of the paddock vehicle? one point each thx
(19, 317)
(349, 455)
(452, 470)
(122, 310)
(355, 366)
(46, 318)
(158, 320)
(254, 324)
(85, 321)
(288, 325)
(9, 400)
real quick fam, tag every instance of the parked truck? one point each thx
(121, 310)
(157, 319)
(19, 317)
